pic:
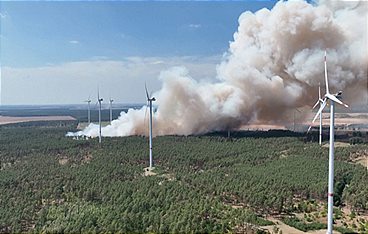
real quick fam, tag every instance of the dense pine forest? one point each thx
(51, 183)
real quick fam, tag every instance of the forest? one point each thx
(51, 183)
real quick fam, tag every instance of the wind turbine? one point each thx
(320, 102)
(111, 109)
(150, 100)
(296, 109)
(89, 109)
(99, 115)
(333, 98)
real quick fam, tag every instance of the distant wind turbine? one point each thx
(294, 127)
(332, 98)
(320, 102)
(89, 109)
(111, 109)
(99, 115)
(150, 100)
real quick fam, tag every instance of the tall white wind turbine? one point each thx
(320, 102)
(332, 98)
(150, 100)
(99, 115)
(89, 109)
(111, 109)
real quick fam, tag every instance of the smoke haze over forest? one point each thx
(273, 65)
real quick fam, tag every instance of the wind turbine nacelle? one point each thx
(100, 100)
(338, 94)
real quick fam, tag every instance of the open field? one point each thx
(200, 183)
(342, 120)
(347, 119)
(12, 120)
(79, 112)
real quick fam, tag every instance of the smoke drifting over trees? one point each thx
(273, 65)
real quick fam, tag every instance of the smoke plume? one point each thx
(273, 65)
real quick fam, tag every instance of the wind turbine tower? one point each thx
(111, 110)
(294, 126)
(320, 115)
(150, 100)
(332, 98)
(320, 102)
(89, 109)
(99, 116)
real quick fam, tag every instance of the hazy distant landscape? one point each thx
(355, 119)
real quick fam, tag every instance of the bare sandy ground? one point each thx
(10, 119)
(290, 230)
(341, 119)
(362, 161)
(149, 172)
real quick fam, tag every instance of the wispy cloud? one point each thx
(74, 42)
(125, 36)
(99, 57)
(195, 26)
(123, 79)
(3, 15)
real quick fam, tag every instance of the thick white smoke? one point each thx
(273, 66)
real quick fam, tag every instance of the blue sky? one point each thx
(56, 34)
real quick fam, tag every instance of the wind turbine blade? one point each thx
(309, 129)
(326, 80)
(333, 98)
(145, 87)
(315, 105)
(320, 110)
(319, 91)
